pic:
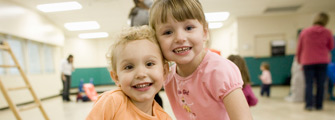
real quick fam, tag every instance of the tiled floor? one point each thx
(273, 108)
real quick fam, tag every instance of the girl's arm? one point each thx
(236, 105)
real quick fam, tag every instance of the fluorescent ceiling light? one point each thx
(216, 16)
(56, 7)
(87, 25)
(93, 35)
(215, 25)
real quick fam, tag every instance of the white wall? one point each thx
(225, 39)
(21, 22)
(87, 53)
(238, 37)
(251, 27)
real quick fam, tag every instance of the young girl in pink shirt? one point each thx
(201, 85)
(248, 93)
(266, 79)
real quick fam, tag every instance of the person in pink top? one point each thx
(241, 64)
(266, 79)
(201, 84)
(138, 70)
(315, 44)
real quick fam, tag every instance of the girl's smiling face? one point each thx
(139, 70)
(181, 41)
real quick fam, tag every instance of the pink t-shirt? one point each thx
(266, 77)
(200, 95)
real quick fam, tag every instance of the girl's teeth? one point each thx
(142, 85)
(178, 50)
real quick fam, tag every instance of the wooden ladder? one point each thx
(37, 103)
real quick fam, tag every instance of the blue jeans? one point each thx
(265, 89)
(317, 72)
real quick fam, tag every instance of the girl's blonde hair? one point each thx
(179, 9)
(241, 64)
(127, 35)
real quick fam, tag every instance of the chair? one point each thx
(90, 91)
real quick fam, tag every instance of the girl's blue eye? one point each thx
(150, 64)
(167, 33)
(189, 28)
(128, 67)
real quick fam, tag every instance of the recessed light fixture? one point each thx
(56, 7)
(86, 25)
(216, 16)
(215, 25)
(93, 35)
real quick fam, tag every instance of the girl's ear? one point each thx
(115, 78)
(206, 34)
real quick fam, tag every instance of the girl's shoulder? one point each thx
(216, 63)
(117, 96)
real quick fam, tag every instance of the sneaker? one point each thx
(288, 99)
(309, 108)
(318, 108)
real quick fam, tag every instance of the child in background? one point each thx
(297, 87)
(137, 66)
(331, 78)
(265, 78)
(241, 64)
(201, 85)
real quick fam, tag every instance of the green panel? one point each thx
(280, 67)
(100, 76)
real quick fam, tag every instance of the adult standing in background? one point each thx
(139, 14)
(297, 88)
(66, 70)
(315, 44)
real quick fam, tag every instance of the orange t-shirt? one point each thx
(115, 105)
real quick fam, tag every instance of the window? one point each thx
(2, 70)
(17, 48)
(48, 59)
(34, 57)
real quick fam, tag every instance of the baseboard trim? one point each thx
(25, 103)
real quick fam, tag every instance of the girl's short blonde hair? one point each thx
(180, 10)
(266, 65)
(127, 35)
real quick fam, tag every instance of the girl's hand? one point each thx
(63, 78)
